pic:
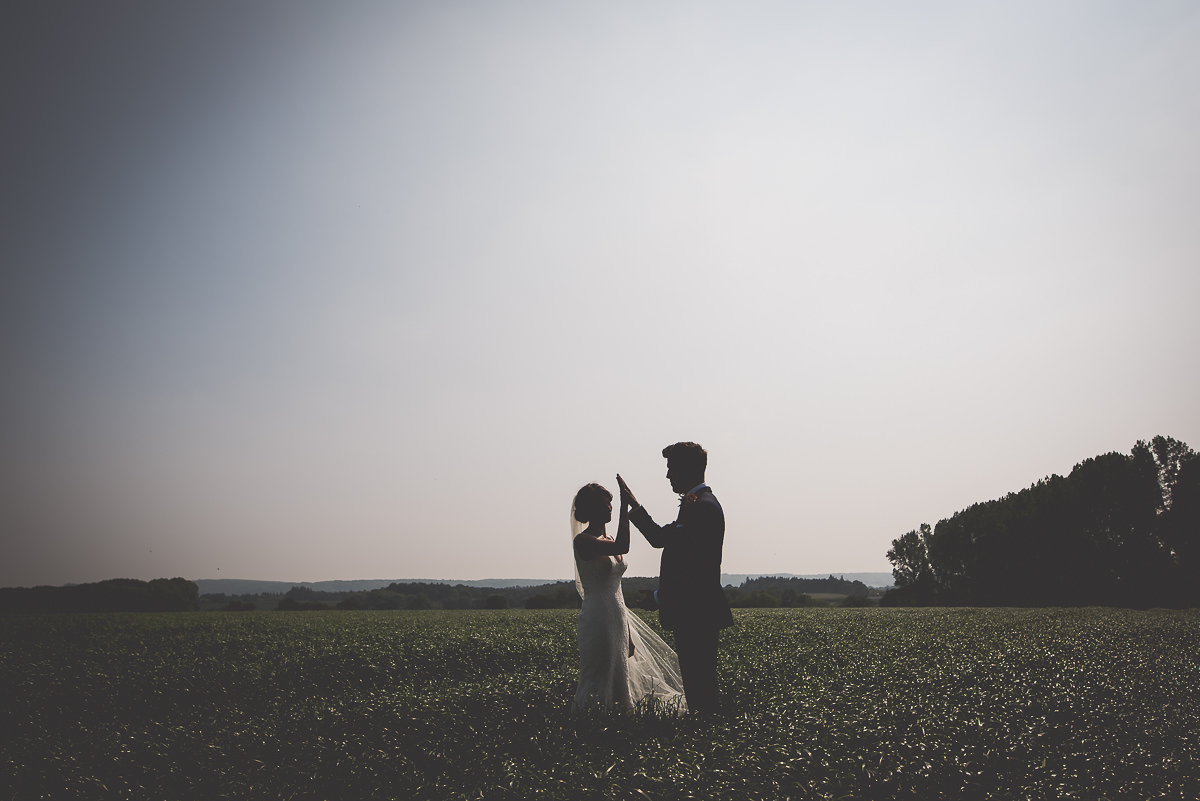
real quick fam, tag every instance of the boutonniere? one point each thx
(689, 498)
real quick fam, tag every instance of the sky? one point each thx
(306, 291)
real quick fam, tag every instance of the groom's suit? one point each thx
(690, 600)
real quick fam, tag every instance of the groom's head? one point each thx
(686, 462)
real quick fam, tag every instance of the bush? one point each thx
(762, 600)
(238, 606)
(292, 605)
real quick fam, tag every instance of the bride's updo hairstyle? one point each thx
(590, 499)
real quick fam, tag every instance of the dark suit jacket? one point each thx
(689, 577)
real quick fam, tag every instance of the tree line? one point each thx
(764, 591)
(180, 595)
(1119, 530)
(111, 595)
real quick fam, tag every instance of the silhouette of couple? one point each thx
(623, 664)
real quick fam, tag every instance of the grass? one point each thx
(820, 703)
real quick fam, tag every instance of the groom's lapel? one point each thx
(695, 499)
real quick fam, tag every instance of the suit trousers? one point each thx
(697, 650)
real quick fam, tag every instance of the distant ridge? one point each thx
(256, 587)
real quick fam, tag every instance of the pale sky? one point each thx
(306, 291)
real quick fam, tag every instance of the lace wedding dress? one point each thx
(608, 676)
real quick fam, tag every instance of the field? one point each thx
(821, 703)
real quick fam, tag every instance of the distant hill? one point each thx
(255, 587)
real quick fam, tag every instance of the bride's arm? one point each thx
(623, 528)
(587, 546)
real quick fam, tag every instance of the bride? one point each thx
(622, 662)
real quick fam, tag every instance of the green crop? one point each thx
(819, 703)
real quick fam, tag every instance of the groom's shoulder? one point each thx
(706, 496)
(709, 512)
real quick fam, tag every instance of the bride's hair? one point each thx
(589, 499)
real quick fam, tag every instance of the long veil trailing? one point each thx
(654, 678)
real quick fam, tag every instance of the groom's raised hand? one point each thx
(626, 495)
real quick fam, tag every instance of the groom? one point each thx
(689, 597)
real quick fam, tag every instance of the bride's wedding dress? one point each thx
(608, 676)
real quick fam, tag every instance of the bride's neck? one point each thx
(595, 530)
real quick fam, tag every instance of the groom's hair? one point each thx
(590, 498)
(688, 455)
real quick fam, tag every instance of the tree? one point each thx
(174, 595)
(909, 556)
(1181, 533)
(1170, 455)
(762, 600)
(419, 601)
(496, 602)
(1120, 529)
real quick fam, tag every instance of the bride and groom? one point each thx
(622, 662)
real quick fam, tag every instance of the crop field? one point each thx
(819, 703)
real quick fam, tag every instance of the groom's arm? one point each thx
(691, 525)
(655, 534)
(693, 528)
